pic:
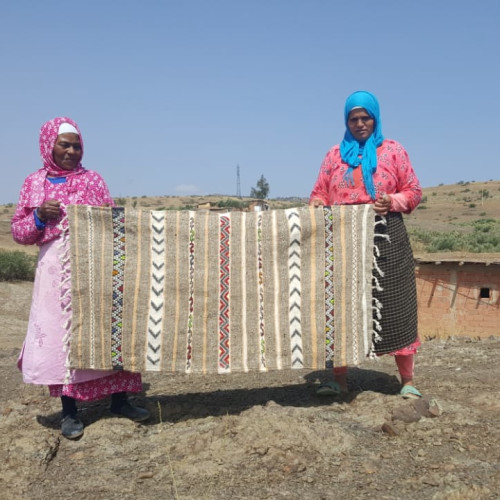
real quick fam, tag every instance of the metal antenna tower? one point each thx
(238, 187)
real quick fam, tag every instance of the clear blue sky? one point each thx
(172, 95)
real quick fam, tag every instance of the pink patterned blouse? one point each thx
(394, 176)
(86, 188)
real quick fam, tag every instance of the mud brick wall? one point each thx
(458, 300)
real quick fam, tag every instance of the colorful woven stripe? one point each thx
(118, 281)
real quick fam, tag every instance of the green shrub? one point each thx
(17, 266)
(445, 243)
(479, 236)
(228, 203)
(182, 207)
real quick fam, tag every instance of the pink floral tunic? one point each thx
(394, 176)
(43, 356)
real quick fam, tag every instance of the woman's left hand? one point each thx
(383, 204)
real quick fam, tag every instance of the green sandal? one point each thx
(410, 392)
(330, 388)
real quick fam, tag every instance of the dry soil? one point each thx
(261, 435)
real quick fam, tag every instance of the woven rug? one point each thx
(204, 292)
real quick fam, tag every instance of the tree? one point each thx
(261, 191)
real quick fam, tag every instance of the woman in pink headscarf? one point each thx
(62, 181)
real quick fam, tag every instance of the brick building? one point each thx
(458, 296)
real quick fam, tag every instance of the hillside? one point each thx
(452, 208)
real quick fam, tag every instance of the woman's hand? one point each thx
(50, 209)
(316, 202)
(382, 204)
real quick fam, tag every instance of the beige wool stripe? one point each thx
(313, 292)
(203, 258)
(199, 290)
(136, 242)
(243, 277)
(183, 241)
(277, 289)
(252, 300)
(103, 270)
(236, 293)
(282, 307)
(169, 335)
(177, 274)
(267, 244)
(76, 292)
(136, 287)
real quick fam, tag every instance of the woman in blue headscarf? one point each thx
(367, 168)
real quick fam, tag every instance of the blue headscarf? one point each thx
(350, 148)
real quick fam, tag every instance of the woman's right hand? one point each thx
(316, 202)
(50, 209)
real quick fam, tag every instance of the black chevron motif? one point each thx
(156, 307)
(153, 348)
(154, 334)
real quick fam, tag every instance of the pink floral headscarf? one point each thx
(48, 137)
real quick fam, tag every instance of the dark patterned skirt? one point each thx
(399, 293)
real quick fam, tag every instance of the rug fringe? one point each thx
(377, 284)
(376, 268)
(377, 305)
(65, 287)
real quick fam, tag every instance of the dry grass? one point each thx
(450, 207)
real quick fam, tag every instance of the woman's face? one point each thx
(67, 152)
(360, 124)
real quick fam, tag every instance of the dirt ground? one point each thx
(261, 436)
